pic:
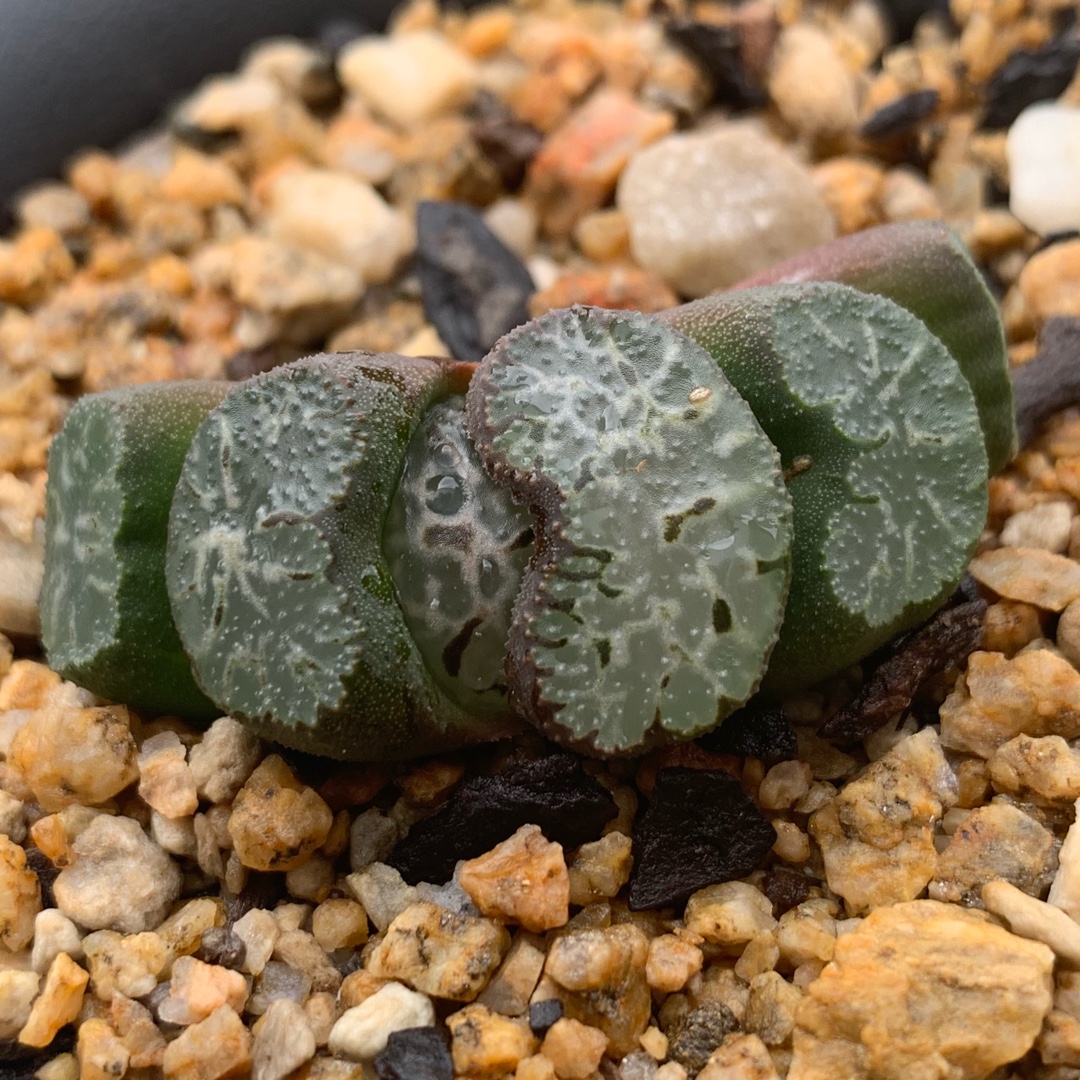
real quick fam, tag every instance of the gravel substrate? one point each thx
(904, 900)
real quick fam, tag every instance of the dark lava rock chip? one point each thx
(718, 52)
(508, 143)
(1050, 381)
(543, 1015)
(553, 792)
(900, 116)
(785, 888)
(700, 829)
(415, 1054)
(755, 731)
(1028, 76)
(700, 1033)
(946, 639)
(42, 865)
(219, 945)
(474, 288)
(903, 15)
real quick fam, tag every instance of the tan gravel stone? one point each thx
(411, 78)
(807, 932)
(1045, 526)
(101, 1053)
(1046, 768)
(810, 83)
(217, 1048)
(1035, 576)
(223, 760)
(165, 781)
(1059, 1040)
(784, 785)
(574, 1049)
(439, 952)
(485, 1045)
(730, 914)
(671, 963)
(877, 835)
(109, 852)
(1036, 693)
(599, 975)
(69, 755)
(20, 897)
(58, 1003)
(1009, 625)
(513, 984)
(340, 218)
(17, 992)
(182, 931)
(535, 1067)
(301, 951)
(919, 986)
(124, 965)
(258, 930)
(759, 956)
(276, 821)
(740, 1057)
(770, 1008)
(994, 841)
(135, 1025)
(339, 924)
(284, 1041)
(1035, 919)
(198, 989)
(1065, 890)
(600, 869)
(523, 880)
(1068, 633)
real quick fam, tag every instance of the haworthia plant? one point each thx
(457, 546)
(105, 619)
(880, 439)
(279, 585)
(924, 267)
(347, 548)
(663, 528)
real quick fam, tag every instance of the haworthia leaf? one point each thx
(457, 546)
(275, 568)
(105, 620)
(922, 266)
(880, 439)
(663, 527)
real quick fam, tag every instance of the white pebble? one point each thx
(1044, 167)
(1045, 525)
(54, 933)
(362, 1031)
(1034, 919)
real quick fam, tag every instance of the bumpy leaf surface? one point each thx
(664, 527)
(105, 618)
(880, 439)
(275, 568)
(924, 267)
(457, 546)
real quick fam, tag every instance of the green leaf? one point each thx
(663, 528)
(922, 266)
(881, 443)
(105, 620)
(279, 586)
(457, 547)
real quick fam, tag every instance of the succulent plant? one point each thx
(599, 536)
(880, 439)
(105, 619)
(280, 588)
(924, 267)
(663, 527)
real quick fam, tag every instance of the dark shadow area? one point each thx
(93, 72)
